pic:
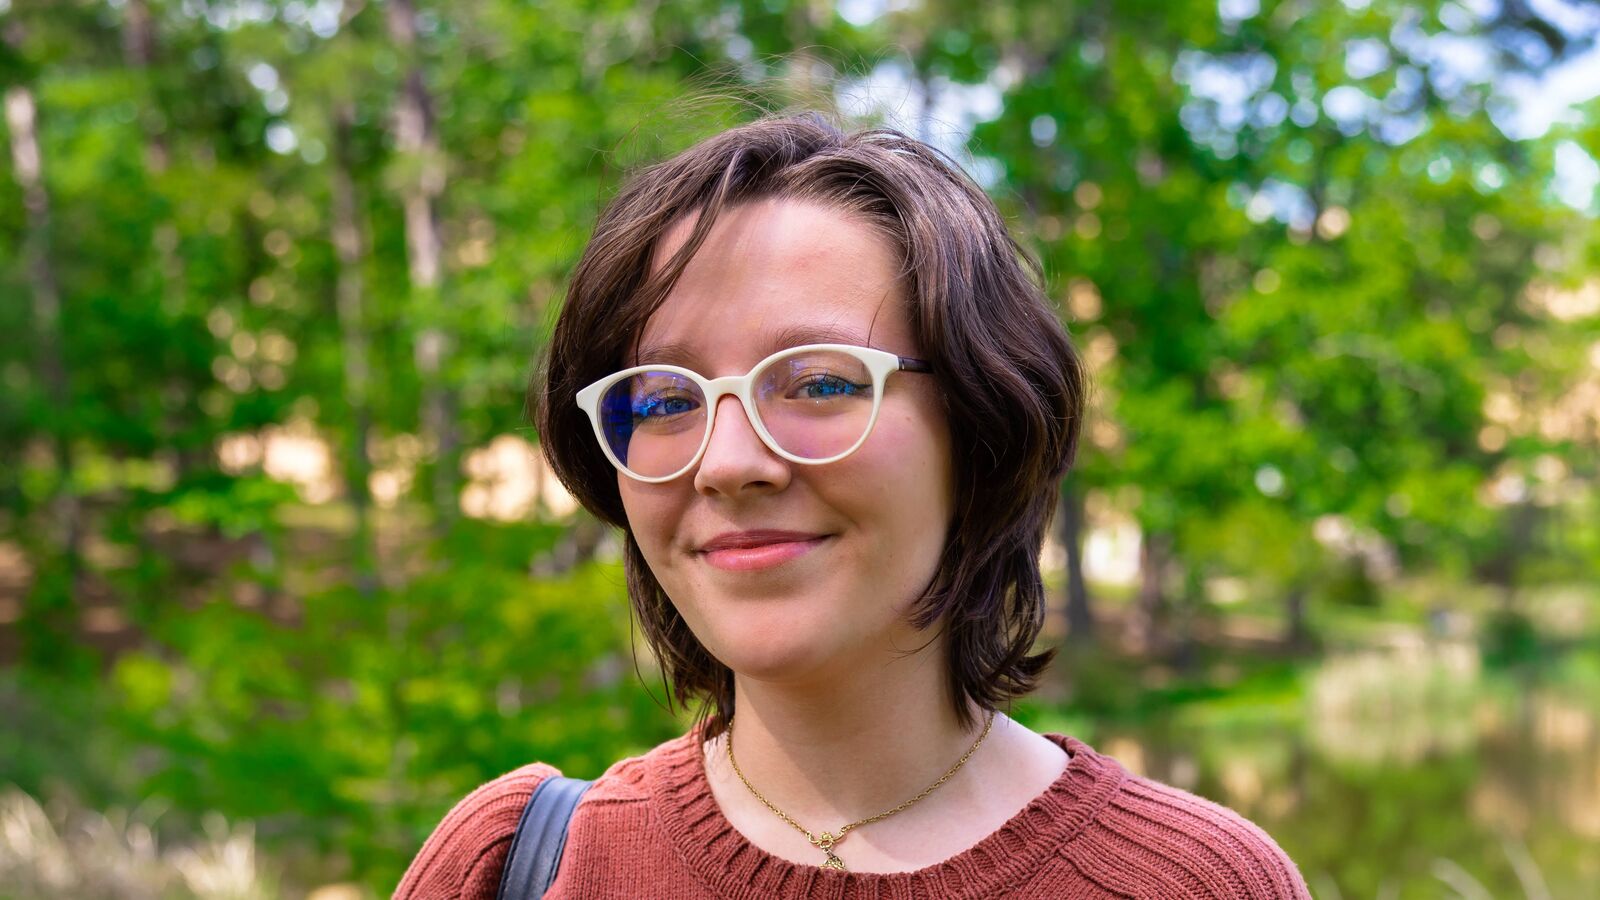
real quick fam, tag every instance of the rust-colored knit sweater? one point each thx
(650, 828)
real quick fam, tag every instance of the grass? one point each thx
(71, 852)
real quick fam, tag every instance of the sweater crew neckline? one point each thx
(729, 865)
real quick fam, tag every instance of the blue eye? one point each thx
(824, 386)
(659, 407)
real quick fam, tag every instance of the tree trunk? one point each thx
(1522, 522)
(350, 295)
(416, 136)
(1069, 528)
(1297, 633)
(1148, 621)
(1181, 644)
(66, 511)
(139, 51)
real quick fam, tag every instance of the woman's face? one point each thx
(819, 563)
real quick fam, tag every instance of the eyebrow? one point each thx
(678, 353)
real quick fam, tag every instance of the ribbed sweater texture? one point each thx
(650, 828)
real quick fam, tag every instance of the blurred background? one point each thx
(282, 575)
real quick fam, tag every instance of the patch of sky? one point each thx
(320, 17)
(232, 16)
(1348, 106)
(739, 48)
(263, 77)
(1283, 202)
(985, 170)
(1238, 10)
(1303, 113)
(1365, 58)
(1455, 17)
(1399, 129)
(1227, 91)
(1407, 90)
(1529, 49)
(1455, 63)
(325, 17)
(861, 13)
(1575, 19)
(1491, 176)
(1269, 480)
(1043, 130)
(1223, 88)
(1577, 176)
(1196, 119)
(1531, 104)
(281, 139)
(1225, 79)
(1230, 117)
(1259, 209)
(1406, 35)
(726, 27)
(1269, 110)
(941, 112)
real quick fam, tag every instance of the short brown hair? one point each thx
(1012, 383)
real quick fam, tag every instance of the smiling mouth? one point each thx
(754, 551)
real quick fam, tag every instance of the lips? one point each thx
(745, 551)
(745, 540)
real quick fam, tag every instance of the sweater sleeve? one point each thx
(463, 857)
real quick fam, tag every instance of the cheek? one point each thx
(917, 450)
(905, 479)
(653, 513)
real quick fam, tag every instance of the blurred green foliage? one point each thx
(274, 274)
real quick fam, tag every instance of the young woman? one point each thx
(818, 387)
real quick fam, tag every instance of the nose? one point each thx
(736, 461)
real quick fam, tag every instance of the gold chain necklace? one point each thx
(826, 841)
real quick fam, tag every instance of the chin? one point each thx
(774, 641)
(791, 664)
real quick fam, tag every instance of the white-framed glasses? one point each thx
(813, 404)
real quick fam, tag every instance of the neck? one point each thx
(851, 746)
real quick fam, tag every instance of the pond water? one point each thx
(1405, 774)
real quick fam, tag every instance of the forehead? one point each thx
(774, 274)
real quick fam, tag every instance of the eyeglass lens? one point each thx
(815, 405)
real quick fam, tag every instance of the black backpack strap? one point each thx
(540, 837)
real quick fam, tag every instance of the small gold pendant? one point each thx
(825, 843)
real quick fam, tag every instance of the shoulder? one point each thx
(1153, 839)
(464, 855)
